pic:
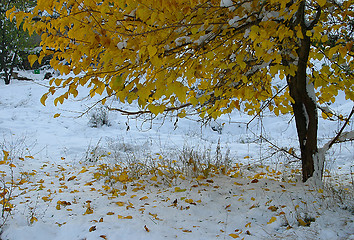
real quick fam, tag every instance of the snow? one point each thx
(263, 200)
(226, 3)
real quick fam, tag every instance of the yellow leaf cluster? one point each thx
(167, 53)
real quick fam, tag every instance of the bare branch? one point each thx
(171, 109)
(341, 136)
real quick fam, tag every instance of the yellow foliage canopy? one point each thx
(216, 55)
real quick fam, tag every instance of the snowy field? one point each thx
(66, 192)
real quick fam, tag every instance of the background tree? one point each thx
(14, 42)
(289, 56)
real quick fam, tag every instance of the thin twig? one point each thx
(335, 139)
(124, 112)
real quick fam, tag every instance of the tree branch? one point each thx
(124, 112)
(342, 137)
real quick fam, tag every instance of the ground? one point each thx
(124, 180)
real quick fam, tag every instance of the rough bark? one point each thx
(305, 113)
(304, 106)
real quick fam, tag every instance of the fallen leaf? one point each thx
(46, 199)
(177, 189)
(120, 204)
(122, 217)
(93, 228)
(273, 208)
(303, 223)
(71, 178)
(233, 235)
(33, 219)
(88, 211)
(273, 219)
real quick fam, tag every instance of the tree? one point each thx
(289, 56)
(13, 41)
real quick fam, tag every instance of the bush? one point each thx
(99, 117)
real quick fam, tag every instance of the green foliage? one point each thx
(15, 43)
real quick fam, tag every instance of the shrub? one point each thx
(99, 117)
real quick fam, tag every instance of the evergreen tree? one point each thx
(14, 42)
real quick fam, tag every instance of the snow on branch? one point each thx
(341, 136)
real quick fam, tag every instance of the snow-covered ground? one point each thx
(66, 194)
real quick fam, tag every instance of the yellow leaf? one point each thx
(33, 219)
(9, 12)
(117, 83)
(194, 30)
(71, 178)
(321, 2)
(56, 115)
(44, 98)
(120, 204)
(83, 169)
(143, 198)
(303, 223)
(6, 155)
(122, 217)
(299, 34)
(46, 199)
(154, 178)
(273, 208)
(273, 219)
(88, 211)
(200, 177)
(123, 177)
(32, 59)
(152, 50)
(209, 55)
(189, 200)
(177, 189)
(233, 235)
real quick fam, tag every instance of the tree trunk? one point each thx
(7, 80)
(305, 112)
